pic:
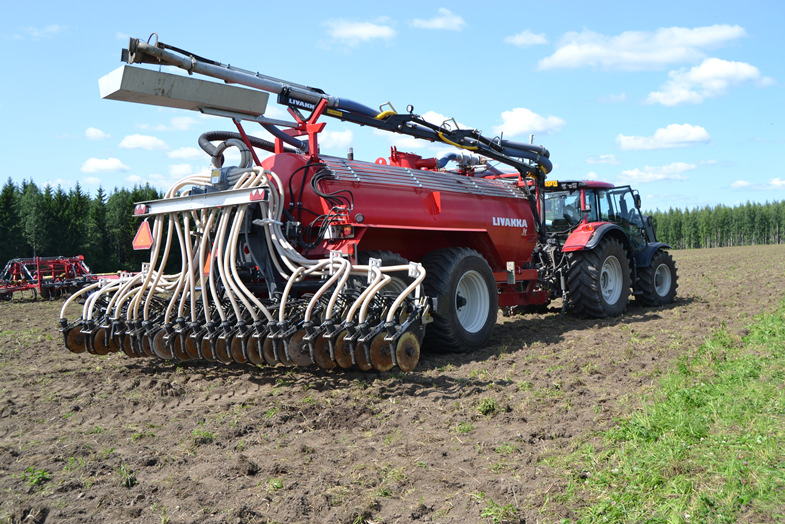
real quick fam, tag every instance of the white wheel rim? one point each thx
(472, 301)
(611, 280)
(662, 280)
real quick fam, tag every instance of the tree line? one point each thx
(52, 222)
(720, 226)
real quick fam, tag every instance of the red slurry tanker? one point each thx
(303, 258)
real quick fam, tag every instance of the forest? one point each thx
(52, 222)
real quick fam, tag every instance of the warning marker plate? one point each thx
(143, 238)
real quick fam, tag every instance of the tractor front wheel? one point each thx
(657, 283)
(598, 282)
(463, 283)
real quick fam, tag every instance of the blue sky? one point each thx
(683, 100)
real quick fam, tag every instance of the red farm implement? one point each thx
(299, 258)
(50, 277)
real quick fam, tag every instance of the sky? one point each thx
(682, 100)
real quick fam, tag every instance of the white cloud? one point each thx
(674, 135)
(134, 179)
(93, 133)
(740, 184)
(613, 98)
(638, 50)
(37, 33)
(591, 175)
(774, 184)
(181, 170)
(526, 38)
(709, 79)
(178, 123)
(603, 159)
(520, 121)
(336, 140)
(446, 20)
(187, 153)
(92, 180)
(103, 165)
(656, 174)
(354, 33)
(148, 143)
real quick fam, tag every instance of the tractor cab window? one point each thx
(618, 206)
(562, 210)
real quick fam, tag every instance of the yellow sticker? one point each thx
(333, 112)
(551, 183)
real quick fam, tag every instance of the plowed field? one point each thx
(113, 439)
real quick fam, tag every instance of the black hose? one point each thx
(277, 133)
(210, 149)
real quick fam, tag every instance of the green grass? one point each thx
(708, 447)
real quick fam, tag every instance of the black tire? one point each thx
(598, 281)
(400, 279)
(657, 283)
(460, 323)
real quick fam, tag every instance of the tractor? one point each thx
(602, 246)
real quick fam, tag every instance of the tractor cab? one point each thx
(570, 206)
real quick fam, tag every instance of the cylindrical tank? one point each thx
(413, 211)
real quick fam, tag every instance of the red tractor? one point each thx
(304, 258)
(601, 246)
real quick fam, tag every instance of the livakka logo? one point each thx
(511, 222)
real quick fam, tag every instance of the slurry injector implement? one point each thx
(303, 258)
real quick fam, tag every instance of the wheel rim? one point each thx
(472, 301)
(662, 280)
(611, 280)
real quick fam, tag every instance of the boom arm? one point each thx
(527, 159)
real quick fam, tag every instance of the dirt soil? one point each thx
(463, 438)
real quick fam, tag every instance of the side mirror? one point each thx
(637, 198)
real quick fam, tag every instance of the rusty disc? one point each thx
(161, 349)
(101, 341)
(267, 351)
(115, 343)
(147, 345)
(362, 361)
(192, 347)
(254, 350)
(279, 345)
(128, 345)
(238, 350)
(177, 347)
(74, 340)
(381, 355)
(407, 351)
(321, 353)
(298, 350)
(222, 349)
(208, 353)
(343, 352)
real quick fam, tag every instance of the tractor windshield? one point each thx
(617, 205)
(562, 210)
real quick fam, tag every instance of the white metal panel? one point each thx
(144, 86)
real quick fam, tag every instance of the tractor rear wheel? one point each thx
(463, 283)
(598, 282)
(657, 283)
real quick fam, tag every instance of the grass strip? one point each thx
(709, 446)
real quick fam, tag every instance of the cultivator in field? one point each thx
(49, 277)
